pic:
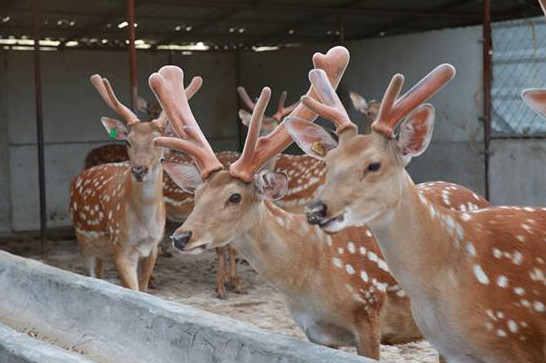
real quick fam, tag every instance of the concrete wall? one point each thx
(16, 347)
(72, 111)
(517, 172)
(455, 151)
(5, 197)
(118, 325)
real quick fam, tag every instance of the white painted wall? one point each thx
(72, 111)
(455, 154)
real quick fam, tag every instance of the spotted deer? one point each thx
(117, 209)
(116, 153)
(368, 109)
(476, 278)
(269, 123)
(337, 289)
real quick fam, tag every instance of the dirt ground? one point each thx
(190, 280)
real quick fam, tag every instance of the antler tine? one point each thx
(334, 63)
(422, 91)
(281, 110)
(282, 100)
(167, 85)
(193, 87)
(246, 98)
(254, 129)
(104, 88)
(543, 5)
(331, 106)
(387, 104)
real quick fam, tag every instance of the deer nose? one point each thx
(316, 212)
(139, 172)
(180, 241)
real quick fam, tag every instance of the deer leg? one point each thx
(146, 267)
(127, 269)
(233, 277)
(92, 266)
(99, 268)
(220, 273)
(368, 335)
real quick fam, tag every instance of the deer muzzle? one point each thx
(180, 241)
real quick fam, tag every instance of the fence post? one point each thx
(487, 75)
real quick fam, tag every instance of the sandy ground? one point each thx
(190, 280)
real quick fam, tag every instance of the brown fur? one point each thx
(476, 277)
(116, 216)
(337, 288)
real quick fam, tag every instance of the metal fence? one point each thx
(518, 62)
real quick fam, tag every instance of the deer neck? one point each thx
(419, 240)
(147, 194)
(278, 246)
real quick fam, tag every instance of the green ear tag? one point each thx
(114, 133)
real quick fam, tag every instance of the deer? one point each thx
(117, 209)
(332, 291)
(368, 109)
(476, 278)
(116, 153)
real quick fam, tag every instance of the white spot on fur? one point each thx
(364, 276)
(512, 326)
(502, 281)
(351, 247)
(497, 253)
(350, 269)
(337, 262)
(501, 333)
(470, 249)
(480, 275)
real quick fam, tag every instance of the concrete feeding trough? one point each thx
(80, 319)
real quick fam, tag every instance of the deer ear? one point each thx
(536, 100)
(311, 138)
(142, 105)
(169, 131)
(359, 103)
(416, 132)
(245, 117)
(271, 185)
(115, 128)
(161, 122)
(186, 176)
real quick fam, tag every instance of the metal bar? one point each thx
(341, 28)
(132, 53)
(241, 132)
(314, 9)
(40, 131)
(487, 78)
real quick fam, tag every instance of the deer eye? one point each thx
(374, 167)
(235, 198)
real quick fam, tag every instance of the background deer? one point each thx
(116, 153)
(117, 209)
(476, 278)
(333, 292)
(368, 109)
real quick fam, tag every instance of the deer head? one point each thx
(227, 200)
(365, 172)
(144, 155)
(269, 123)
(368, 109)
